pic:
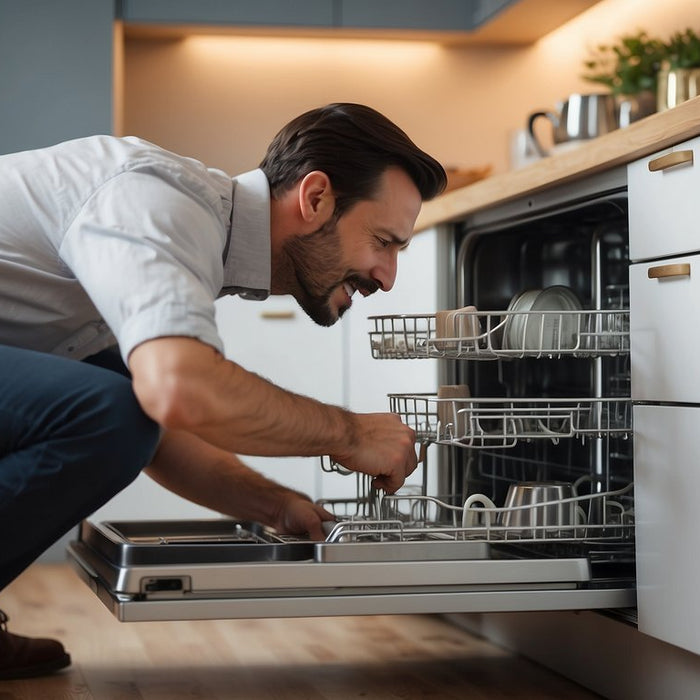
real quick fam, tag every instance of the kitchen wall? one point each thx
(222, 98)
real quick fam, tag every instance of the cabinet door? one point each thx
(369, 381)
(663, 202)
(452, 15)
(300, 13)
(278, 341)
(664, 330)
(667, 484)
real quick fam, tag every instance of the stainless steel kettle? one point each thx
(577, 118)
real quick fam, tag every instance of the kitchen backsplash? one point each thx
(222, 98)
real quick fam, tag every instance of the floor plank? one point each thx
(371, 658)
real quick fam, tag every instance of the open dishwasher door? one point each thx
(217, 569)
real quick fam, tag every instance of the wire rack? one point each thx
(492, 422)
(423, 518)
(502, 334)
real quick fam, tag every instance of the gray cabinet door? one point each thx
(436, 15)
(306, 13)
(456, 15)
(56, 76)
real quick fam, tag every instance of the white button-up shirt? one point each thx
(108, 238)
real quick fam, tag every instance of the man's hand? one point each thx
(383, 447)
(298, 515)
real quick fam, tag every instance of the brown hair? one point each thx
(354, 145)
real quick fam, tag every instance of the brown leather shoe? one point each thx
(22, 657)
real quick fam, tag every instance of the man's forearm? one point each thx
(186, 385)
(189, 467)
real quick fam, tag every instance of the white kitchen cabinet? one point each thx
(667, 488)
(664, 330)
(664, 337)
(369, 381)
(278, 341)
(663, 194)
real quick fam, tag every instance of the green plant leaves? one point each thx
(631, 65)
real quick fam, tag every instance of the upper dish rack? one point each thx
(490, 335)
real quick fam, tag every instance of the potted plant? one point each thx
(629, 69)
(679, 77)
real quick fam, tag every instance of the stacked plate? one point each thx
(526, 330)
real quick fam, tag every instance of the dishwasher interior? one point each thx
(534, 420)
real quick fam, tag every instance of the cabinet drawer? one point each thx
(664, 330)
(663, 210)
(666, 487)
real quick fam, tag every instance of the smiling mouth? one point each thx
(354, 284)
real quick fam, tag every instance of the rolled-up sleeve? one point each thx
(148, 252)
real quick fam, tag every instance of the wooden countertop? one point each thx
(642, 138)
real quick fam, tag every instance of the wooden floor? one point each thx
(372, 658)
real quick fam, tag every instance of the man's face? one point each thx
(357, 252)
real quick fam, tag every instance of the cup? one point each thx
(471, 515)
(453, 413)
(460, 328)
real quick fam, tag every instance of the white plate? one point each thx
(512, 331)
(551, 331)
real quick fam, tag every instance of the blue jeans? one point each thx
(72, 435)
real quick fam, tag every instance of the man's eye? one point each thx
(383, 242)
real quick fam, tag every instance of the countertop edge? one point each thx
(647, 136)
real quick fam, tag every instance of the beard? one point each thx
(312, 266)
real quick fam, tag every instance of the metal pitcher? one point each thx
(578, 118)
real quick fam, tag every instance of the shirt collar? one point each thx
(247, 258)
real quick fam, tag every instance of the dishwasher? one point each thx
(527, 501)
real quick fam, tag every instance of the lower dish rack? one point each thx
(568, 528)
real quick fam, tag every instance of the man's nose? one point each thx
(384, 274)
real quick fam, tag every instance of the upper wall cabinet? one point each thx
(300, 13)
(447, 21)
(441, 15)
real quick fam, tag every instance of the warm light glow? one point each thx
(279, 51)
(604, 23)
(608, 20)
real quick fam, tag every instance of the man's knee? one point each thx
(129, 438)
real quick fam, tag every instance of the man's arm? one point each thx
(211, 477)
(186, 385)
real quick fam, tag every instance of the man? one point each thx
(107, 241)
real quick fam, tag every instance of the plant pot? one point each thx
(632, 108)
(677, 85)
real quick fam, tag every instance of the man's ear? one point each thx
(316, 198)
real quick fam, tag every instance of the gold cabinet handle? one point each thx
(277, 315)
(670, 160)
(677, 270)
